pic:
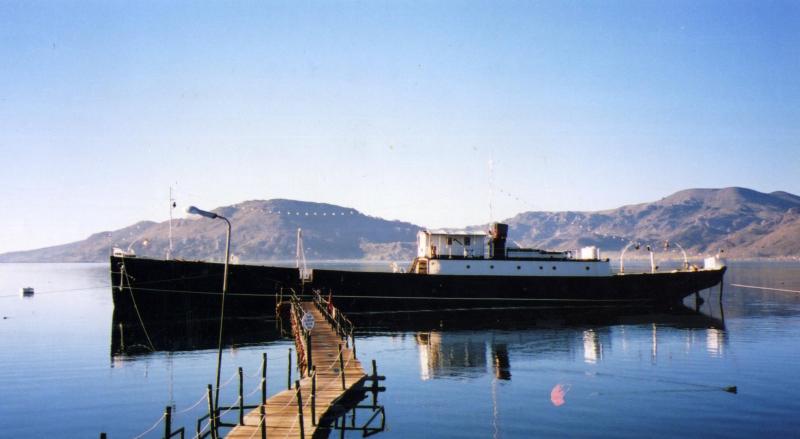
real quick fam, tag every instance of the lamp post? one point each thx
(685, 258)
(212, 215)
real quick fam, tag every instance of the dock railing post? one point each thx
(289, 372)
(341, 364)
(309, 362)
(168, 422)
(264, 395)
(299, 408)
(353, 338)
(212, 419)
(241, 397)
(313, 395)
(374, 385)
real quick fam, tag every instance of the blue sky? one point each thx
(394, 108)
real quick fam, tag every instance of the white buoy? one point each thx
(26, 291)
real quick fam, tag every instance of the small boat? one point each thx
(26, 291)
(452, 270)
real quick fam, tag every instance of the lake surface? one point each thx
(629, 376)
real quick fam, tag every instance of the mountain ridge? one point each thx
(743, 222)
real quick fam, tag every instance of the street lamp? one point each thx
(212, 215)
(685, 258)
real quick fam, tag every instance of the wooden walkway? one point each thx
(282, 417)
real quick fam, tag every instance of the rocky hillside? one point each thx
(262, 230)
(744, 222)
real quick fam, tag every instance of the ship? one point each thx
(452, 270)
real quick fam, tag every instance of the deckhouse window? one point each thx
(467, 241)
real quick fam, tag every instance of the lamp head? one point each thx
(194, 210)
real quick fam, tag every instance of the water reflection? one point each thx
(463, 353)
(592, 349)
(141, 337)
(715, 341)
(457, 354)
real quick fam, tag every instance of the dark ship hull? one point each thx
(164, 289)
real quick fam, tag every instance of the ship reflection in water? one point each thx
(130, 338)
(464, 353)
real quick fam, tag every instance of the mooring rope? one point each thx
(783, 290)
(125, 278)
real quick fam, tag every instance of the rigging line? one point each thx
(124, 278)
(200, 276)
(344, 296)
(279, 281)
(66, 290)
(214, 275)
(515, 299)
(783, 290)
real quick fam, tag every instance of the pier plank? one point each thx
(281, 409)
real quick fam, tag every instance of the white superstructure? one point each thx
(482, 254)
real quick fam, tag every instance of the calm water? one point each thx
(655, 376)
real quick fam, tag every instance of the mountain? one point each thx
(262, 231)
(743, 222)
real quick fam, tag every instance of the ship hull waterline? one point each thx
(165, 289)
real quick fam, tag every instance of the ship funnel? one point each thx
(499, 233)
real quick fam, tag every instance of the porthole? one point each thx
(587, 268)
(467, 267)
(554, 267)
(519, 268)
(541, 268)
(491, 267)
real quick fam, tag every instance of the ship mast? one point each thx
(171, 206)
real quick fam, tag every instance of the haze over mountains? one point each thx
(743, 222)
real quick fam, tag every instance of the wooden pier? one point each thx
(330, 388)
(330, 370)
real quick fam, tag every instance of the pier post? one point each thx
(374, 384)
(241, 397)
(289, 372)
(309, 362)
(299, 408)
(341, 365)
(168, 422)
(263, 407)
(314, 395)
(353, 338)
(212, 419)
